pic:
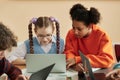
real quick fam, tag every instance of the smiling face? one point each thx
(44, 34)
(80, 29)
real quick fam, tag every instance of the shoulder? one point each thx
(99, 31)
(71, 34)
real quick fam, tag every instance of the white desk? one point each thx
(60, 76)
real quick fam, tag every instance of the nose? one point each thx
(44, 39)
(76, 32)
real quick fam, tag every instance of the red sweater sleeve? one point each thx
(12, 71)
(104, 58)
(71, 51)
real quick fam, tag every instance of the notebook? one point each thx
(36, 62)
(88, 74)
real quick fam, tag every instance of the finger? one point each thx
(79, 67)
(112, 76)
(69, 65)
(27, 78)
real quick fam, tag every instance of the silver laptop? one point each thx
(36, 62)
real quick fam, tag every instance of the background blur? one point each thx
(17, 13)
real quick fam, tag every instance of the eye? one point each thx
(79, 29)
(39, 35)
(49, 35)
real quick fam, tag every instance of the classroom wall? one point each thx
(17, 13)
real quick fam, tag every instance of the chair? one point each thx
(117, 51)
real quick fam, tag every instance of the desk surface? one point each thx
(53, 76)
(96, 71)
(70, 73)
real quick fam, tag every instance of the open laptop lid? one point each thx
(42, 74)
(87, 65)
(36, 62)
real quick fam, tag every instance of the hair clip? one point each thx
(33, 20)
(54, 19)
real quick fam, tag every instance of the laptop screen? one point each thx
(35, 62)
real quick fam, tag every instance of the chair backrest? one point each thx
(117, 51)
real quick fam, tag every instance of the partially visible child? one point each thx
(115, 73)
(7, 40)
(44, 42)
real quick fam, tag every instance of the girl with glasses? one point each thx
(43, 43)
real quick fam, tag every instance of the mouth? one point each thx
(77, 35)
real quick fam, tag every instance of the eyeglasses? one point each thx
(48, 36)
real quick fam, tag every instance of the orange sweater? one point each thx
(97, 47)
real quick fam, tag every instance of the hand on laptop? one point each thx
(22, 77)
(113, 75)
(79, 67)
(70, 62)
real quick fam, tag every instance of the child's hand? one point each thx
(70, 62)
(113, 75)
(22, 77)
(3, 78)
(79, 67)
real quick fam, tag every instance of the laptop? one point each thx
(88, 74)
(42, 74)
(36, 62)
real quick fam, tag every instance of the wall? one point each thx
(17, 13)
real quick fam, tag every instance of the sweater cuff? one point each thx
(77, 59)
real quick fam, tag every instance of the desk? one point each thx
(53, 76)
(69, 75)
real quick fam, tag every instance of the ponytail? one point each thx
(94, 15)
(31, 35)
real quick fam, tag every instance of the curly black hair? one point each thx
(7, 38)
(80, 13)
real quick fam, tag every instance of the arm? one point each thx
(70, 50)
(18, 55)
(12, 71)
(19, 61)
(104, 57)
